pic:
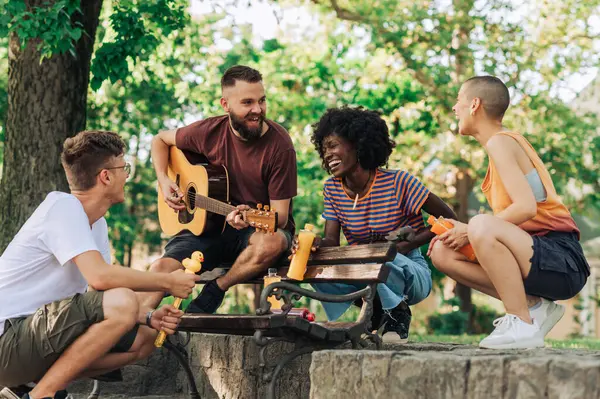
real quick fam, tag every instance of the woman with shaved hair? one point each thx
(528, 251)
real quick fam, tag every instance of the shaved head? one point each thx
(493, 94)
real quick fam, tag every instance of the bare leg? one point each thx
(503, 251)
(262, 251)
(456, 266)
(142, 347)
(162, 265)
(120, 307)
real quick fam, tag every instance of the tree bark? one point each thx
(464, 185)
(46, 104)
(463, 66)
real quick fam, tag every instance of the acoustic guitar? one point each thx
(206, 196)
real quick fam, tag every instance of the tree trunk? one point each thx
(463, 63)
(464, 185)
(46, 104)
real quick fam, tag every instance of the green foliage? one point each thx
(53, 26)
(578, 343)
(456, 322)
(139, 27)
(452, 323)
(3, 93)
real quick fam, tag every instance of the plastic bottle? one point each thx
(271, 278)
(300, 259)
(440, 226)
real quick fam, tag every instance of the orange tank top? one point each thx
(552, 214)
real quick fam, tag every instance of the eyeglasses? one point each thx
(126, 168)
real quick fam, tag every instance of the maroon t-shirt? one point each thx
(259, 171)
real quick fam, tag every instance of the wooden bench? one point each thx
(364, 264)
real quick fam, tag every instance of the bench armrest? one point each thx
(291, 292)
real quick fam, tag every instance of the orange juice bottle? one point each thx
(271, 278)
(300, 259)
(441, 225)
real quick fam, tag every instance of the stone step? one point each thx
(454, 371)
(81, 396)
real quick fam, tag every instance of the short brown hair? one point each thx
(240, 72)
(493, 93)
(85, 154)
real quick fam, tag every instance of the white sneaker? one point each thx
(513, 333)
(8, 394)
(547, 315)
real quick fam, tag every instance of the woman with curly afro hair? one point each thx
(370, 204)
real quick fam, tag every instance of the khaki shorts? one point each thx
(30, 345)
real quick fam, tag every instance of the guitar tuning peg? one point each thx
(259, 206)
(266, 208)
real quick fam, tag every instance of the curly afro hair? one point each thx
(364, 129)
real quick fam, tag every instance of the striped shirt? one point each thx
(393, 201)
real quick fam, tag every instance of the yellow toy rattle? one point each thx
(192, 266)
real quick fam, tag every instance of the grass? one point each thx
(573, 343)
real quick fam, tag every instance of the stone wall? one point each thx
(225, 367)
(455, 371)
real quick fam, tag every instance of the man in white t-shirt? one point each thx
(65, 311)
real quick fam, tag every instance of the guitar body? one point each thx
(193, 178)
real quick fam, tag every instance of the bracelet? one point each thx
(149, 318)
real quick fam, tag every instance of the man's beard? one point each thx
(239, 124)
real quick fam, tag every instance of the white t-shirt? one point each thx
(36, 267)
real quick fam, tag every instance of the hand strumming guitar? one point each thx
(172, 194)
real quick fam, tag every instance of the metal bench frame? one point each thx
(267, 328)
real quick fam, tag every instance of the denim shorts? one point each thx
(559, 269)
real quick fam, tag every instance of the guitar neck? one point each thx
(212, 205)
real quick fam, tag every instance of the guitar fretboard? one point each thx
(213, 205)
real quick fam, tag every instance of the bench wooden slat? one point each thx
(364, 272)
(367, 253)
(272, 325)
(352, 330)
(202, 322)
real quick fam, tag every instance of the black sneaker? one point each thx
(9, 394)
(209, 299)
(396, 321)
(111, 376)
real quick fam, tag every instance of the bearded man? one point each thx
(261, 164)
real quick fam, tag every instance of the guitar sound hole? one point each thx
(191, 198)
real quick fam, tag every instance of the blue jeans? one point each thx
(409, 280)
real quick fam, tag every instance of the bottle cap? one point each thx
(309, 227)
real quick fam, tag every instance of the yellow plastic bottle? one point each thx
(271, 278)
(300, 259)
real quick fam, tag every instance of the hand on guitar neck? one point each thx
(237, 217)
